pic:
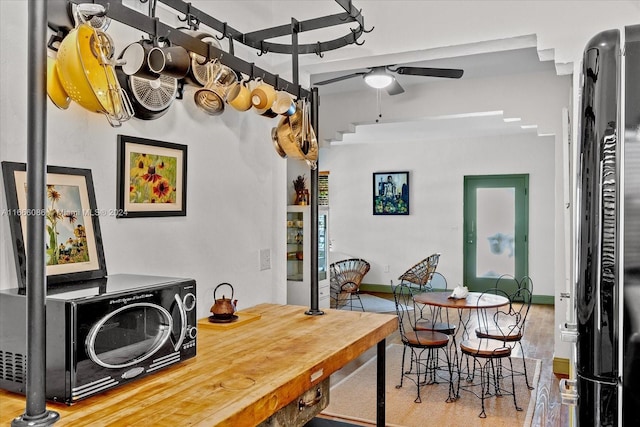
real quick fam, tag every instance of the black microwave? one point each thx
(101, 333)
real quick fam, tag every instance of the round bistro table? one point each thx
(473, 301)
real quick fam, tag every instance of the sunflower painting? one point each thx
(66, 234)
(71, 237)
(151, 178)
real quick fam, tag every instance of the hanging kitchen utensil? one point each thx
(198, 71)
(295, 136)
(309, 143)
(55, 90)
(211, 97)
(134, 58)
(93, 14)
(60, 16)
(151, 99)
(276, 143)
(87, 74)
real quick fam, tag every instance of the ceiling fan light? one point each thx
(378, 80)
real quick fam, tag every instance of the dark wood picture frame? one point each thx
(391, 193)
(152, 178)
(73, 240)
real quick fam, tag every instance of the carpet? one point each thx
(373, 304)
(354, 399)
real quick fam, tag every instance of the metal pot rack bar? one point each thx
(258, 40)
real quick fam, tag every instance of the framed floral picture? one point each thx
(73, 243)
(152, 178)
(391, 193)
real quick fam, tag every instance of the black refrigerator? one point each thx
(607, 252)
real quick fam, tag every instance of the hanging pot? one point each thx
(151, 99)
(87, 74)
(60, 15)
(295, 136)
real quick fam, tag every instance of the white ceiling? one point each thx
(475, 66)
(440, 128)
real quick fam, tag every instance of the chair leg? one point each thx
(513, 385)
(484, 385)
(360, 300)
(417, 399)
(404, 352)
(526, 377)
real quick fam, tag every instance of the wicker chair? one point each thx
(420, 275)
(345, 279)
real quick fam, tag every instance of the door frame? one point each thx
(471, 184)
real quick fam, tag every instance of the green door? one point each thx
(496, 227)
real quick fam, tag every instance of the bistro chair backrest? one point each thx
(505, 323)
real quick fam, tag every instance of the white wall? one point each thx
(437, 171)
(236, 181)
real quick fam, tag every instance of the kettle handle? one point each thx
(216, 289)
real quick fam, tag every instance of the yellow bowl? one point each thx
(84, 76)
(55, 90)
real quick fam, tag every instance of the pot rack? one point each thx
(258, 40)
(36, 413)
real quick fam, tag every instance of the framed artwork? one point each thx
(73, 243)
(391, 193)
(152, 178)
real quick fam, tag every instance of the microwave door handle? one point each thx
(183, 322)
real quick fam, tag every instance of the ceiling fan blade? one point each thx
(394, 88)
(338, 79)
(450, 73)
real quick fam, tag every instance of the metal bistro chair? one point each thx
(424, 346)
(490, 355)
(433, 321)
(345, 279)
(520, 296)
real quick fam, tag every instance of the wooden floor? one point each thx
(538, 343)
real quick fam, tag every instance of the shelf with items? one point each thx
(298, 256)
(323, 188)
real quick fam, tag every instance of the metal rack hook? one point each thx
(366, 31)
(263, 50)
(318, 51)
(192, 21)
(157, 38)
(224, 31)
(355, 37)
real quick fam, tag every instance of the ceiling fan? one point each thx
(381, 78)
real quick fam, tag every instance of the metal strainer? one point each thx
(152, 97)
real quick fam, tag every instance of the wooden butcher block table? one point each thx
(240, 376)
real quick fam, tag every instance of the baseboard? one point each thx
(561, 367)
(384, 289)
(373, 287)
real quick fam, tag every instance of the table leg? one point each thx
(380, 395)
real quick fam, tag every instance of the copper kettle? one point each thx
(223, 308)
